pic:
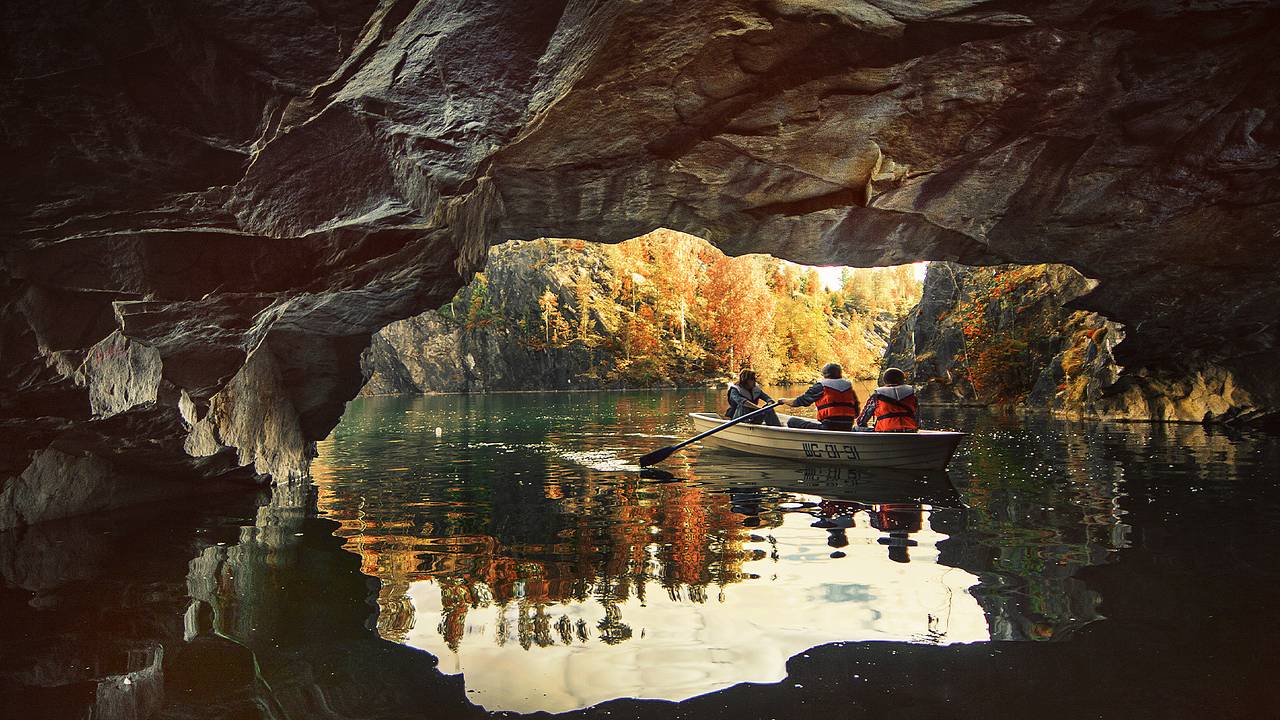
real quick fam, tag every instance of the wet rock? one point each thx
(215, 183)
(1004, 335)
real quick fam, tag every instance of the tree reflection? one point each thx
(531, 536)
(602, 538)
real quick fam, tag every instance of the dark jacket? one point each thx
(738, 394)
(814, 393)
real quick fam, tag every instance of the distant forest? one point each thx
(670, 308)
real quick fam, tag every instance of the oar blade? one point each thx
(656, 456)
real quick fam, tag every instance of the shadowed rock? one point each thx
(210, 207)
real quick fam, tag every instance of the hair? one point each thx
(894, 376)
(747, 376)
(831, 371)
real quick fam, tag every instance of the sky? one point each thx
(831, 274)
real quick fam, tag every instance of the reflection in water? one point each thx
(515, 549)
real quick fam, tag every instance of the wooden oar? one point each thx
(661, 454)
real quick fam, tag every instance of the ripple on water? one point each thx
(528, 553)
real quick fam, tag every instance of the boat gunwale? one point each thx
(834, 433)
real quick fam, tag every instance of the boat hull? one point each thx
(735, 472)
(924, 450)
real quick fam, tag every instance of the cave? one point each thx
(211, 208)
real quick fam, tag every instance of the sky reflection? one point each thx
(521, 547)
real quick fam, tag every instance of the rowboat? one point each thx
(730, 471)
(924, 450)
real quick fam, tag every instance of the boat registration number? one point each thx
(829, 450)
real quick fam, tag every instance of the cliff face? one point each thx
(1003, 334)
(1008, 335)
(481, 341)
(210, 207)
(567, 315)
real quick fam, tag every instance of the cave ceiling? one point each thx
(188, 185)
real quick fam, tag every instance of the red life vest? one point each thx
(893, 415)
(837, 403)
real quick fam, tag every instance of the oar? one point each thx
(661, 454)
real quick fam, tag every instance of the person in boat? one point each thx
(893, 405)
(899, 520)
(836, 400)
(746, 396)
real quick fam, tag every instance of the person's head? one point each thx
(831, 371)
(894, 376)
(747, 378)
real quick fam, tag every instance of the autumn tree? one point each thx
(582, 294)
(553, 322)
(741, 309)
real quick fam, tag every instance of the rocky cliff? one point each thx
(568, 315)
(1004, 335)
(485, 339)
(210, 207)
(1008, 335)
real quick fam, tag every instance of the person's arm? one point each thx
(809, 397)
(867, 411)
(742, 401)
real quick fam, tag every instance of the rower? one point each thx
(893, 405)
(746, 396)
(837, 402)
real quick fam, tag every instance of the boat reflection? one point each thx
(620, 586)
(734, 471)
(551, 577)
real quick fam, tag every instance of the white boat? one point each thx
(924, 450)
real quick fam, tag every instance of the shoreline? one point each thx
(710, 386)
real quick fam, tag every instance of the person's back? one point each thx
(835, 399)
(893, 405)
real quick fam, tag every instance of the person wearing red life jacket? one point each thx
(833, 394)
(892, 406)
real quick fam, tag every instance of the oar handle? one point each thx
(731, 423)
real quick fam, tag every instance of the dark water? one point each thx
(517, 562)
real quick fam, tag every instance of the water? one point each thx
(1059, 569)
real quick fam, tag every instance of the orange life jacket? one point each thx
(893, 415)
(837, 403)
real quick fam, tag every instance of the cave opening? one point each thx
(662, 309)
(670, 309)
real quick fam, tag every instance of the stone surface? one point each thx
(212, 188)
(1062, 360)
(441, 351)
(1003, 335)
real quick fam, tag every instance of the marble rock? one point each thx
(202, 192)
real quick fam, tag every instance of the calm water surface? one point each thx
(518, 562)
(521, 546)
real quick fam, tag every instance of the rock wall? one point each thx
(202, 191)
(493, 336)
(1004, 335)
(1008, 335)
(446, 351)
